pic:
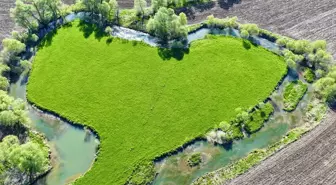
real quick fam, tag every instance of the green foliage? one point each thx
(221, 23)
(252, 29)
(309, 75)
(143, 174)
(258, 117)
(241, 166)
(29, 158)
(30, 13)
(291, 58)
(324, 86)
(299, 46)
(294, 91)
(147, 105)
(12, 112)
(244, 34)
(139, 6)
(195, 159)
(166, 25)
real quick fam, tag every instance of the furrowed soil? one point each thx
(311, 160)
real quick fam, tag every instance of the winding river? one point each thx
(74, 149)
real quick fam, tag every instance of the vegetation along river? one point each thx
(74, 149)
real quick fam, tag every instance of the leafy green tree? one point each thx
(4, 84)
(324, 86)
(252, 29)
(29, 158)
(156, 4)
(139, 6)
(30, 13)
(244, 34)
(166, 25)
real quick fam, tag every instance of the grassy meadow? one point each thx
(144, 101)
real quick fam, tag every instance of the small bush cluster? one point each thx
(213, 22)
(294, 91)
(258, 117)
(309, 75)
(195, 159)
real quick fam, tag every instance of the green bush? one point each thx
(258, 117)
(309, 75)
(294, 91)
(195, 159)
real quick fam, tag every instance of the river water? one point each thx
(74, 149)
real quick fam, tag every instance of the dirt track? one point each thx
(312, 159)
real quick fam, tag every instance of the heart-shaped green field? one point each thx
(141, 103)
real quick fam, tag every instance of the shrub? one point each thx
(258, 117)
(221, 23)
(195, 159)
(309, 75)
(166, 25)
(294, 91)
(252, 29)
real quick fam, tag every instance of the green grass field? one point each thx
(140, 104)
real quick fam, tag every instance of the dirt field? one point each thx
(312, 159)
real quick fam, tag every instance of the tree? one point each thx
(252, 29)
(139, 6)
(4, 84)
(156, 4)
(29, 159)
(30, 13)
(244, 34)
(10, 53)
(166, 25)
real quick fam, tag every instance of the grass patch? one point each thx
(294, 91)
(144, 103)
(309, 75)
(258, 117)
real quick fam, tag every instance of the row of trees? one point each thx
(26, 159)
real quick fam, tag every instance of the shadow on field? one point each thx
(247, 44)
(227, 4)
(177, 53)
(88, 29)
(47, 40)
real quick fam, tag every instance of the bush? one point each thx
(195, 159)
(294, 91)
(309, 75)
(221, 23)
(252, 29)
(258, 117)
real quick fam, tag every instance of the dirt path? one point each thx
(310, 160)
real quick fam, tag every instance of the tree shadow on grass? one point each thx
(246, 44)
(89, 28)
(177, 53)
(47, 39)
